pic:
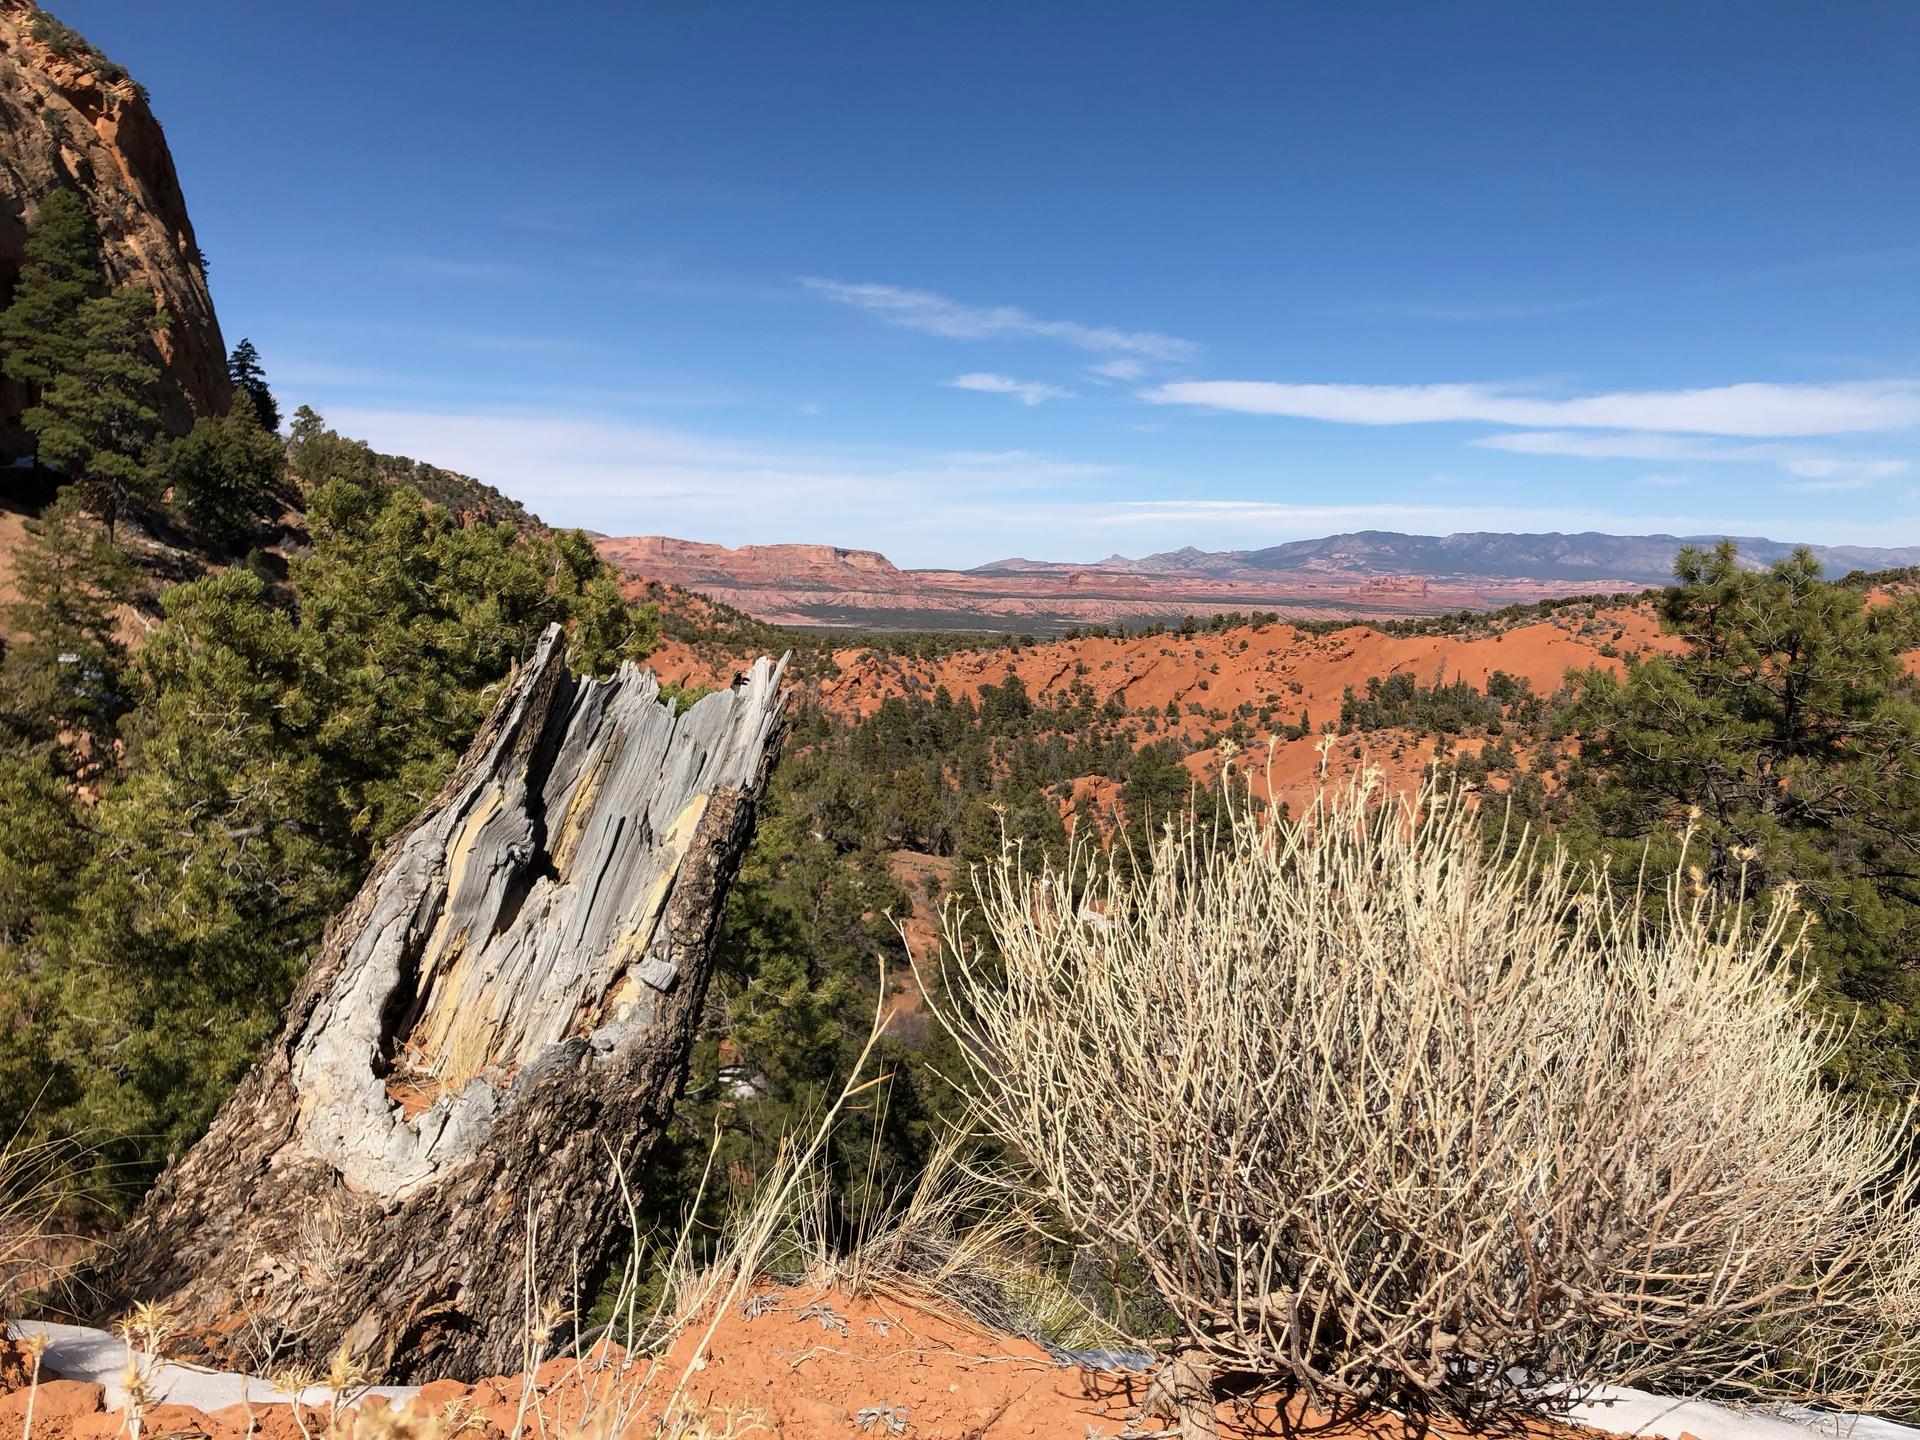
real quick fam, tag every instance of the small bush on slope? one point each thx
(1401, 1122)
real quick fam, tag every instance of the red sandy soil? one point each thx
(926, 879)
(777, 1373)
(1277, 666)
(676, 662)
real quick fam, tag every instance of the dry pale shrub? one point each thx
(1401, 1122)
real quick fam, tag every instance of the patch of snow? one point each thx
(1636, 1412)
(1110, 1360)
(80, 1352)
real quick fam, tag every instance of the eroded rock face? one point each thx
(69, 118)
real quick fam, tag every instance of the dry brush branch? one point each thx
(1400, 1121)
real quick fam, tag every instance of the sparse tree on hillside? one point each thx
(63, 674)
(1791, 725)
(43, 850)
(96, 420)
(250, 383)
(226, 472)
(272, 751)
(41, 332)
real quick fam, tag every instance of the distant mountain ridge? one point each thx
(1480, 554)
(1369, 574)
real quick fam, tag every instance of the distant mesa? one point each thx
(1369, 574)
(692, 562)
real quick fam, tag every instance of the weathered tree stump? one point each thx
(427, 1154)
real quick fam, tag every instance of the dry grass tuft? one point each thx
(38, 1184)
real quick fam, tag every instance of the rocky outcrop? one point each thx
(70, 117)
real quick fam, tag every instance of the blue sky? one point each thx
(963, 281)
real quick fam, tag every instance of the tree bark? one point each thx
(427, 1154)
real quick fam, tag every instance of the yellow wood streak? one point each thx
(442, 965)
(631, 948)
(461, 1032)
(573, 828)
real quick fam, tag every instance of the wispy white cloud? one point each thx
(1628, 446)
(1027, 392)
(1856, 472)
(1124, 370)
(1817, 487)
(1753, 408)
(935, 314)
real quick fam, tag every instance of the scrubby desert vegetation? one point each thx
(1421, 1022)
(1411, 1124)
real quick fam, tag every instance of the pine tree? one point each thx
(96, 421)
(43, 847)
(64, 672)
(243, 368)
(41, 335)
(1786, 739)
(149, 937)
(225, 473)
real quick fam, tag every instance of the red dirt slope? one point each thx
(1277, 668)
(1277, 664)
(806, 1365)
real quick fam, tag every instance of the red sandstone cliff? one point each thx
(68, 116)
(692, 562)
